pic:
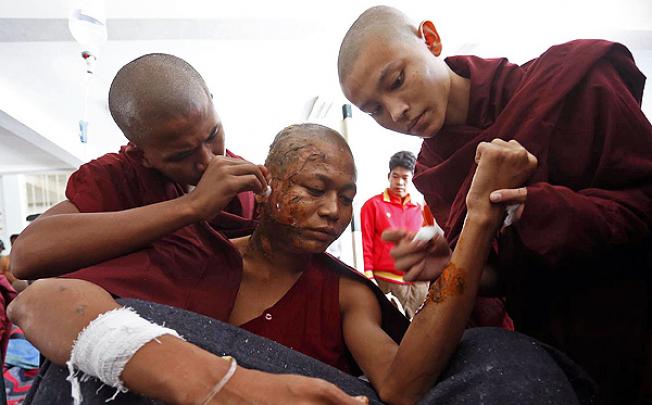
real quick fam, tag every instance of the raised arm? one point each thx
(404, 374)
(63, 239)
(53, 312)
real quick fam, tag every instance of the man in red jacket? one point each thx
(393, 208)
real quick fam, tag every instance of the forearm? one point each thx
(58, 244)
(436, 331)
(53, 312)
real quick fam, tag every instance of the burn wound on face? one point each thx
(292, 163)
(297, 151)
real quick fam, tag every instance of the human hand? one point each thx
(420, 260)
(257, 387)
(501, 166)
(514, 200)
(222, 180)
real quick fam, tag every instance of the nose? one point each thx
(397, 109)
(206, 154)
(330, 207)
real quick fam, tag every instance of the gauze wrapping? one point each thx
(105, 346)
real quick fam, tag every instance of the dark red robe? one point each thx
(170, 269)
(577, 265)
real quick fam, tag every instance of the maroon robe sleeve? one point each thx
(616, 210)
(93, 187)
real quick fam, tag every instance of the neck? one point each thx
(266, 255)
(401, 197)
(458, 99)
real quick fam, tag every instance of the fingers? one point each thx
(247, 171)
(394, 235)
(498, 144)
(241, 168)
(509, 196)
(334, 395)
(415, 271)
(266, 173)
(409, 255)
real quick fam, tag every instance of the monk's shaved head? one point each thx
(292, 142)
(152, 89)
(379, 23)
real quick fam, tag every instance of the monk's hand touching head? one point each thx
(501, 165)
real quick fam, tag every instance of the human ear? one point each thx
(429, 33)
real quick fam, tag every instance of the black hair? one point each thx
(404, 159)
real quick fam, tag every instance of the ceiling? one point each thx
(265, 62)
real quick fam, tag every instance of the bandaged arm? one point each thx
(53, 312)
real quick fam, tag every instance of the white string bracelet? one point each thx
(104, 347)
(220, 384)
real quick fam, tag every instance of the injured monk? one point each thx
(295, 312)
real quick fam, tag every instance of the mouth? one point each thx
(323, 234)
(416, 123)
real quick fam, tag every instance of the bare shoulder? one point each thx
(356, 296)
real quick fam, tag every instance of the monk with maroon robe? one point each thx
(574, 266)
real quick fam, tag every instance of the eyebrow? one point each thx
(182, 154)
(383, 75)
(326, 179)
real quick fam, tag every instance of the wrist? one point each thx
(483, 216)
(189, 208)
(213, 371)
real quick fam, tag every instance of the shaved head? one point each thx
(289, 145)
(152, 89)
(380, 23)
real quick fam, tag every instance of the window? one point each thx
(43, 190)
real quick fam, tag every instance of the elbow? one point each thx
(393, 391)
(23, 266)
(23, 309)
(19, 269)
(22, 270)
(395, 396)
(19, 308)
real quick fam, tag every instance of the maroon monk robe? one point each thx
(172, 269)
(576, 265)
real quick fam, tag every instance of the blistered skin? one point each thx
(313, 183)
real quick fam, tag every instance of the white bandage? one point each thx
(511, 214)
(105, 346)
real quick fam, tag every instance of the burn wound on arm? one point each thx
(451, 282)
